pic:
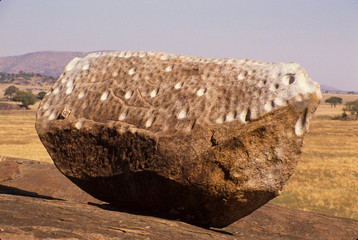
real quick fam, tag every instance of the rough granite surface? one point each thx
(38, 202)
(207, 141)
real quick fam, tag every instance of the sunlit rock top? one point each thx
(164, 93)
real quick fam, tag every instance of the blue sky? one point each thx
(321, 35)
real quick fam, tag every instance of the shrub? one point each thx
(27, 98)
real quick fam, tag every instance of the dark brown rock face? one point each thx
(207, 141)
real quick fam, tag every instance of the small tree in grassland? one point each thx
(352, 107)
(10, 91)
(27, 98)
(334, 101)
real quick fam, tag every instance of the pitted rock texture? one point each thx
(204, 140)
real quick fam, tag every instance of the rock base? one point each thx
(31, 208)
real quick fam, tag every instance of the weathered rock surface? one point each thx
(207, 141)
(40, 180)
(37, 218)
(31, 208)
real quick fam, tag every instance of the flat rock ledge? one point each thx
(204, 140)
(31, 208)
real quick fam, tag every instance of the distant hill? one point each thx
(47, 63)
(327, 88)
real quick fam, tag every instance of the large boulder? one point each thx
(204, 140)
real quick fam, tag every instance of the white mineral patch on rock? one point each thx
(72, 64)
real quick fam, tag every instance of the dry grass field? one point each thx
(326, 180)
(19, 137)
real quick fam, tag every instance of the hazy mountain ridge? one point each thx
(327, 88)
(48, 63)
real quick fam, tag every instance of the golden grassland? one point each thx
(18, 137)
(326, 179)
